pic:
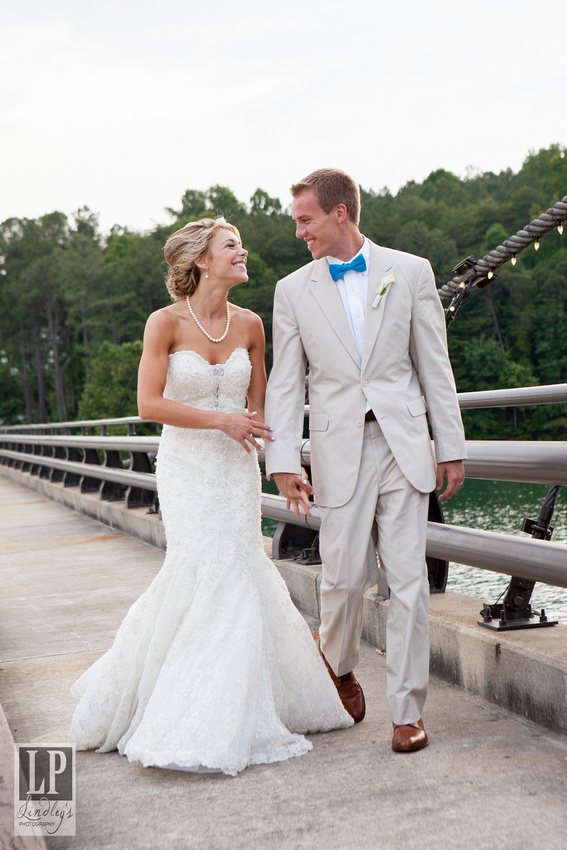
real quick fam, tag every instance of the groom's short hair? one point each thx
(331, 187)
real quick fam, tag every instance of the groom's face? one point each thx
(319, 230)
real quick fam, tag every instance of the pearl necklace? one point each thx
(201, 328)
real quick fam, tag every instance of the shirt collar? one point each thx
(365, 251)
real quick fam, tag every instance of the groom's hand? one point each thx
(296, 489)
(454, 472)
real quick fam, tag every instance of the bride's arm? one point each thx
(257, 389)
(152, 376)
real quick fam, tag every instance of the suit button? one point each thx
(365, 383)
(360, 423)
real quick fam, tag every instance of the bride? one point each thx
(213, 668)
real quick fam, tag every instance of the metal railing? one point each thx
(488, 550)
(122, 468)
(118, 467)
(516, 397)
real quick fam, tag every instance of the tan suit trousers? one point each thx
(383, 501)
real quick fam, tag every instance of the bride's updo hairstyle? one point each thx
(184, 248)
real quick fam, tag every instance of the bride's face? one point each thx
(227, 258)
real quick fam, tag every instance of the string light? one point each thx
(490, 275)
(536, 245)
(511, 254)
(560, 229)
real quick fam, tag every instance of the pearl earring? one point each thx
(206, 274)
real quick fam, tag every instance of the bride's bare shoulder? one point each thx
(165, 317)
(162, 327)
(248, 318)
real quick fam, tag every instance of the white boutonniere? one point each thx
(385, 283)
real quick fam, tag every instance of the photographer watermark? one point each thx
(44, 789)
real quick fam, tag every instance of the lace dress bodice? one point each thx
(194, 381)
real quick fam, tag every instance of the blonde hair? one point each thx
(331, 187)
(184, 248)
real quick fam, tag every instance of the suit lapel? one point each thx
(325, 292)
(373, 315)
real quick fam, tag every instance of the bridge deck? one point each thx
(66, 581)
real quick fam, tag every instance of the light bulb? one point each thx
(490, 275)
(513, 261)
(560, 229)
(536, 246)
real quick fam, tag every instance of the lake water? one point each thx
(500, 506)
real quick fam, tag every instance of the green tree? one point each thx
(82, 275)
(65, 291)
(33, 304)
(112, 390)
(11, 396)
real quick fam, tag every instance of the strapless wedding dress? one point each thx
(213, 668)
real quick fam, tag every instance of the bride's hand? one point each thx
(242, 427)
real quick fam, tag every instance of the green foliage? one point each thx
(262, 204)
(112, 390)
(71, 302)
(11, 397)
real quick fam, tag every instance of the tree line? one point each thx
(74, 301)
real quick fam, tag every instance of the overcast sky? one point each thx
(122, 105)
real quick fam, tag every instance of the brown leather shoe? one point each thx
(350, 692)
(408, 738)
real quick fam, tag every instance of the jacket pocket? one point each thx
(417, 406)
(318, 421)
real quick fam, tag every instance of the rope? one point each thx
(471, 272)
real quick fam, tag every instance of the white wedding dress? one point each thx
(213, 668)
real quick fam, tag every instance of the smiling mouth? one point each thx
(240, 265)
(309, 242)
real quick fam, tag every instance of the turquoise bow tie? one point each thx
(338, 270)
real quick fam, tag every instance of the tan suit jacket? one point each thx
(404, 372)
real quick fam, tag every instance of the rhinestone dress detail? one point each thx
(213, 668)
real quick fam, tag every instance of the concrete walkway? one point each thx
(66, 581)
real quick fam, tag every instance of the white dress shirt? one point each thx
(352, 288)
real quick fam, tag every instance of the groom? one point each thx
(369, 323)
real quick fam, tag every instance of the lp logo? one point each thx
(46, 772)
(44, 789)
